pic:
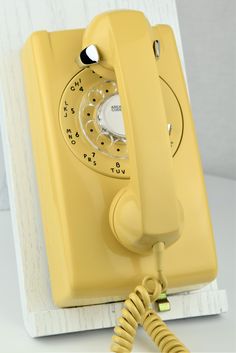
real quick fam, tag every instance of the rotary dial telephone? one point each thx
(118, 170)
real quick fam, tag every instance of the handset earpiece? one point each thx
(147, 210)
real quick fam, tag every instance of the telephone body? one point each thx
(82, 161)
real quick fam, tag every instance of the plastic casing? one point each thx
(87, 264)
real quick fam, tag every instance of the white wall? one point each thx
(207, 29)
(209, 37)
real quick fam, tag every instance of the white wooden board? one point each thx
(18, 20)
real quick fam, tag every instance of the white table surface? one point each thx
(208, 334)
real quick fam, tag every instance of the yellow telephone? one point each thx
(118, 168)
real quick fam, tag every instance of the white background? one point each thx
(209, 39)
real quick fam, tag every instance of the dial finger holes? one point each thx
(91, 130)
(104, 141)
(118, 149)
(101, 119)
(109, 88)
(88, 113)
(95, 97)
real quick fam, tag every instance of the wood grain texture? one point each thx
(18, 20)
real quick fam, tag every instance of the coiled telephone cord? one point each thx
(137, 311)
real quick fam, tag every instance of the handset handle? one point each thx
(147, 210)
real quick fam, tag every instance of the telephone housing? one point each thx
(80, 168)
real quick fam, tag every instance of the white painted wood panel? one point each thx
(18, 20)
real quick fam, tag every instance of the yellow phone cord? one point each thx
(137, 311)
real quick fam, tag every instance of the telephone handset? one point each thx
(118, 168)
